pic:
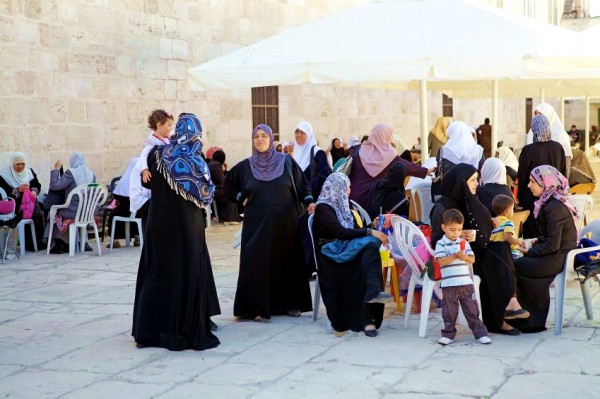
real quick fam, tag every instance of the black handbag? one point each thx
(300, 207)
(587, 271)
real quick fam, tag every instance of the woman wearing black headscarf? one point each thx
(272, 279)
(388, 192)
(543, 151)
(337, 151)
(175, 291)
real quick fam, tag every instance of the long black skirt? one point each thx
(534, 276)
(346, 287)
(498, 285)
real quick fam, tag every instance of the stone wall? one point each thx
(82, 75)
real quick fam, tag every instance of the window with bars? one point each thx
(265, 108)
(447, 106)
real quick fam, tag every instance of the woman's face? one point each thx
(19, 166)
(300, 136)
(535, 188)
(336, 143)
(472, 183)
(261, 141)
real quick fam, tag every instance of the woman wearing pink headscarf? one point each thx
(372, 160)
(557, 220)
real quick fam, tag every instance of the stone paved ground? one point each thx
(65, 333)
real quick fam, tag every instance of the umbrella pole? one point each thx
(542, 94)
(587, 126)
(562, 109)
(494, 117)
(423, 108)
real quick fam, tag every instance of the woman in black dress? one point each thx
(557, 219)
(387, 194)
(175, 291)
(543, 151)
(272, 278)
(351, 290)
(227, 210)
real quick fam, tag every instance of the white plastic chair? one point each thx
(584, 204)
(213, 208)
(128, 221)
(404, 234)
(90, 197)
(317, 299)
(7, 239)
(20, 227)
(363, 214)
(422, 195)
(560, 281)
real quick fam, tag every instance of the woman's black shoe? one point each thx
(12, 223)
(371, 333)
(513, 331)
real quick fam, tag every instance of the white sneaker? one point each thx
(484, 340)
(445, 341)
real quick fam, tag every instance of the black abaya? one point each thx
(175, 291)
(346, 287)
(272, 278)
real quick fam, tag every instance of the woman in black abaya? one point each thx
(272, 278)
(386, 195)
(175, 291)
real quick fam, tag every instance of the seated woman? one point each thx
(227, 210)
(15, 177)
(557, 219)
(388, 193)
(352, 290)
(121, 195)
(581, 170)
(493, 183)
(75, 176)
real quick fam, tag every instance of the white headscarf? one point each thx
(493, 171)
(399, 144)
(354, 140)
(508, 157)
(9, 174)
(556, 127)
(122, 188)
(302, 152)
(460, 147)
(81, 173)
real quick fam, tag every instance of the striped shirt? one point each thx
(458, 272)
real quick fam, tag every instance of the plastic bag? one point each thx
(27, 204)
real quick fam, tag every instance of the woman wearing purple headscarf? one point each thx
(272, 278)
(543, 151)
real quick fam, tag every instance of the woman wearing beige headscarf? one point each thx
(437, 135)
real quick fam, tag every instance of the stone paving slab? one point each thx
(65, 333)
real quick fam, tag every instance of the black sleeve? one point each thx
(563, 161)
(233, 184)
(216, 175)
(556, 215)
(436, 224)
(512, 173)
(328, 226)
(523, 178)
(304, 192)
(35, 183)
(321, 173)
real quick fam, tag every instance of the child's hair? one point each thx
(452, 216)
(501, 203)
(158, 116)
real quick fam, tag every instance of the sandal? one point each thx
(294, 313)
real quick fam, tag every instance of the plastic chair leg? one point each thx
(127, 234)
(32, 225)
(141, 234)
(49, 237)
(82, 238)
(395, 288)
(21, 230)
(409, 298)
(97, 239)
(560, 283)
(72, 240)
(587, 303)
(317, 300)
(425, 301)
(112, 233)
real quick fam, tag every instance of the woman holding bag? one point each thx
(272, 277)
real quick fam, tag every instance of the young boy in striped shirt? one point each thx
(454, 256)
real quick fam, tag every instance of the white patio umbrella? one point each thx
(390, 43)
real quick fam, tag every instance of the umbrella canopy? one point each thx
(387, 43)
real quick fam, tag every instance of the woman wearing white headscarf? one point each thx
(311, 159)
(16, 176)
(556, 128)
(493, 183)
(510, 160)
(76, 175)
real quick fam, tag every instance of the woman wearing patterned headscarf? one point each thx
(175, 291)
(543, 151)
(557, 220)
(272, 278)
(351, 290)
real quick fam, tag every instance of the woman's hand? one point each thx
(23, 187)
(311, 208)
(468, 235)
(495, 222)
(431, 170)
(380, 236)
(58, 165)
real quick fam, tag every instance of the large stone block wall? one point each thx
(82, 75)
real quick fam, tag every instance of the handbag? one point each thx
(587, 271)
(27, 204)
(342, 251)
(436, 183)
(346, 166)
(300, 207)
(586, 257)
